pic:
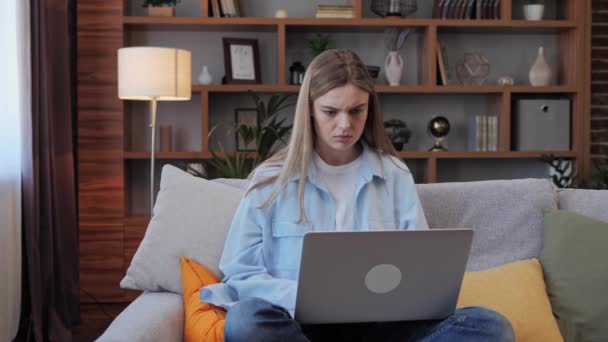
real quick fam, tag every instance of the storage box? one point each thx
(541, 125)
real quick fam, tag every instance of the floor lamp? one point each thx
(154, 74)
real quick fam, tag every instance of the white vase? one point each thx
(205, 77)
(393, 68)
(534, 12)
(540, 72)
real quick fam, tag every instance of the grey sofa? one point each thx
(506, 215)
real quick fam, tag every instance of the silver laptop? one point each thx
(378, 276)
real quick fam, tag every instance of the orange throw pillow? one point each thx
(202, 321)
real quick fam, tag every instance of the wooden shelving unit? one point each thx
(110, 233)
(569, 31)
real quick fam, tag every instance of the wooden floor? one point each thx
(95, 318)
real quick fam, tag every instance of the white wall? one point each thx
(14, 103)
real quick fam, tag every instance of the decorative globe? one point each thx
(439, 127)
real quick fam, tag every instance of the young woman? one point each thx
(338, 172)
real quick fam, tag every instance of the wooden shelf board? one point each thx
(484, 155)
(565, 24)
(385, 89)
(537, 90)
(242, 88)
(359, 24)
(199, 24)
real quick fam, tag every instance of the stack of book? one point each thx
(483, 133)
(334, 11)
(466, 9)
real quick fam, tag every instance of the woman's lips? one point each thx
(343, 137)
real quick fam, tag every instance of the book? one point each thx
(441, 64)
(440, 6)
(330, 15)
(436, 8)
(225, 8)
(478, 133)
(457, 8)
(483, 133)
(463, 9)
(335, 7)
(452, 9)
(215, 8)
(445, 9)
(494, 133)
(334, 11)
(488, 14)
(237, 8)
(329, 10)
(470, 9)
(496, 9)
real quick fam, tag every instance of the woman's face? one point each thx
(339, 118)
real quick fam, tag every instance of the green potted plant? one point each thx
(398, 132)
(160, 8)
(565, 177)
(319, 43)
(268, 131)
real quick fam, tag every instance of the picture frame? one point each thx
(241, 61)
(441, 64)
(249, 117)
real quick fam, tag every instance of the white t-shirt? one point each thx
(341, 182)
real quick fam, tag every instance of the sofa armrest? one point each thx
(153, 316)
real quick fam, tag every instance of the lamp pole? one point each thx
(153, 104)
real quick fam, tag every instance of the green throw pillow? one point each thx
(575, 265)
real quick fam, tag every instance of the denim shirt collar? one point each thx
(371, 165)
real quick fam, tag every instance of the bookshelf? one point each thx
(112, 144)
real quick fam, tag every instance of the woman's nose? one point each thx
(344, 120)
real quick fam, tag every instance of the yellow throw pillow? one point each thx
(517, 291)
(202, 321)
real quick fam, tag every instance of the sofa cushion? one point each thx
(506, 215)
(152, 317)
(517, 291)
(191, 218)
(575, 262)
(591, 203)
(233, 182)
(495, 209)
(202, 321)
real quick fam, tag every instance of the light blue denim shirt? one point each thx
(261, 256)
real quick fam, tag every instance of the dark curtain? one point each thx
(50, 231)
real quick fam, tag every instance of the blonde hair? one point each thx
(329, 70)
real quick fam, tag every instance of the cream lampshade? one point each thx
(154, 74)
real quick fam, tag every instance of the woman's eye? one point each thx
(356, 111)
(330, 112)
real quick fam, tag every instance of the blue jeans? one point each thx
(255, 319)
